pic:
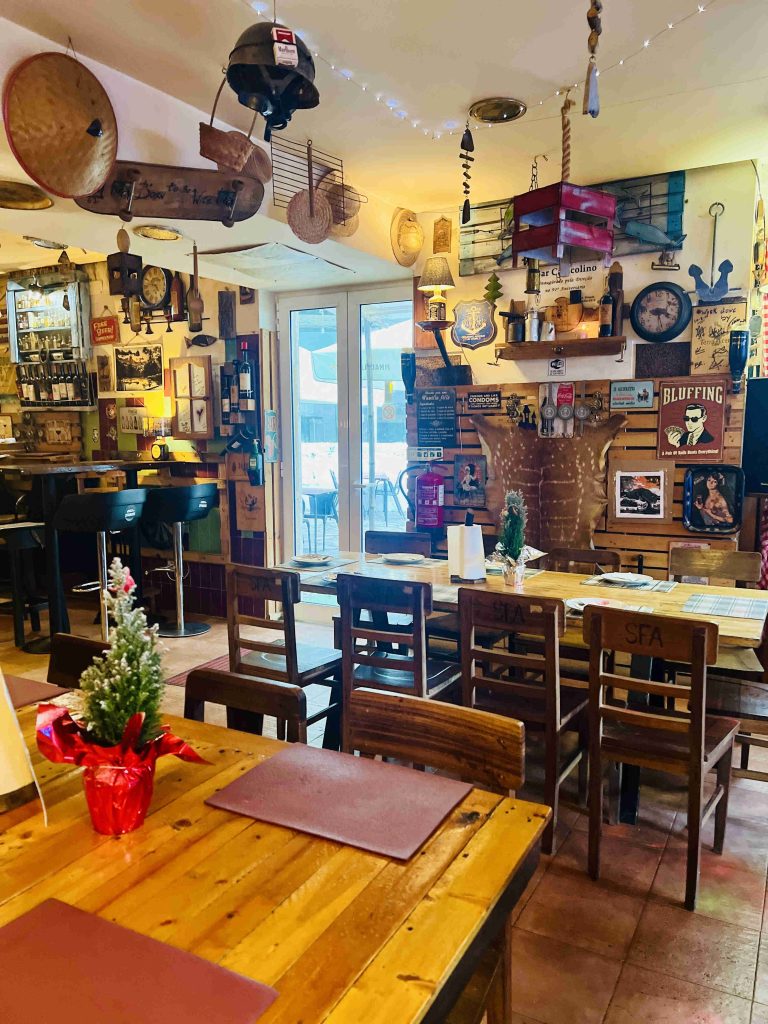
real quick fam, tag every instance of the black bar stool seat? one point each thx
(100, 512)
(176, 506)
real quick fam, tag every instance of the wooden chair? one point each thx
(525, 686)
(737, 685)
(387, 542)
(486, 750)
(586, 560)
(690, 744)
(71, 656)
(247, 701)
(283, 659)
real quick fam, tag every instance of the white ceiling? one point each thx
(696, 96)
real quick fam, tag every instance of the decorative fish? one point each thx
(651, 234)
(201, 341)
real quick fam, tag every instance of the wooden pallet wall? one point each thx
(639, 437)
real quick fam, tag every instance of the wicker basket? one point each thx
(230, 150)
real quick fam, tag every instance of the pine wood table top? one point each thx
(343, 935)
(733, 632)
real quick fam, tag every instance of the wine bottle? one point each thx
(246, 380)
(69, 384)
(177, 298)
(606, 314)
(55, 385)
(21, 383)
(256, 465)
(226, 397)
(234, 405)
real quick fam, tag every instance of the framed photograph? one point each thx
(713, 498)
(247, 296)
(692, 419)
(138, 368)
(183, 417)
(470, 474)
(639, 489)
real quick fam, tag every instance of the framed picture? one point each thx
(470, 474)
(639, 489)
(713, 498)
(247, 296)
(692, 419)
(138, 368)
(193, 394)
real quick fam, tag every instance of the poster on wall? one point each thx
(470, 474)
(692, 418)
(436, 417)
(712, 326)
(631, 394)
(639, 489)
(713, 498)
(138, 367)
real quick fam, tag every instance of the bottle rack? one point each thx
(49, 385)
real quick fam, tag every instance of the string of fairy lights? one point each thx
(266, 10)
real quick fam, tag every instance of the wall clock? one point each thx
(661, 311)
(156, 287)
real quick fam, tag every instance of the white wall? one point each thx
(734, 185)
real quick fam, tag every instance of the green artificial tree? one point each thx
(513, 520)
(493, 289)
(129, 678)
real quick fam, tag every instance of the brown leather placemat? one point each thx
(383, 808)
(30, 691)
(62, 964)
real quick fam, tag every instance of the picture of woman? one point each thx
(469, 480)
(713, 498)
(712, 504)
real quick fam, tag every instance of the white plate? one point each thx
(330, 577)
(312, 560)
(578, 604)
(402, 558)
(626, 579)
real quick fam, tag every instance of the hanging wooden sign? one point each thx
(105, 330)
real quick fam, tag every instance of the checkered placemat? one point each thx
(660, 586)
(728, 607)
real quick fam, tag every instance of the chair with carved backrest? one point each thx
(282, 658)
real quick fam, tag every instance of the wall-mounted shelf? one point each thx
(552, 349)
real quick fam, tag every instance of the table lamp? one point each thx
(436, 277)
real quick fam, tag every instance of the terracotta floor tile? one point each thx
(720, 955)
(647, 997)
(530, 889)
(730, 888)
(626, 865)
(558, 983)
(569, 906)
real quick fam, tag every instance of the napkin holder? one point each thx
(17, 781)
(466, 554)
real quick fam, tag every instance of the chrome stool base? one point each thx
(188, 629)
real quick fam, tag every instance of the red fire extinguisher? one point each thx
(430, 497)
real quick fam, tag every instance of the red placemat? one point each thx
(64, 965)
(30, 691)
(380, 807)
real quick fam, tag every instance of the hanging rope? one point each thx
(566, 121)
(591, 103)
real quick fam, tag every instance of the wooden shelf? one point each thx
(552, 349)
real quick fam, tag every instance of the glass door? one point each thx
(344, 431)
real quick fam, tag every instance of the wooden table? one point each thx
(345, 936)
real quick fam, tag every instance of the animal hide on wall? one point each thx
(563, 481)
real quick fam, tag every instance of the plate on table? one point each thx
(402, 558)
(625, 579)
(330, 577)
(578, 604)
(312, 561)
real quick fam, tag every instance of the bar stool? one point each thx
(20, 539)
(100, 513)
(176, 506)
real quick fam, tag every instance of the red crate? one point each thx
(563, 221)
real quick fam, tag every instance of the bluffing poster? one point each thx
(692, 419)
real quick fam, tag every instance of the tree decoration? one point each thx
(513, 520)
(493, 290)
(591, 103)
(467, 147)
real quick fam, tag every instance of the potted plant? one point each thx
(512, 538)
(118, 737)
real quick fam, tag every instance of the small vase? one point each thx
(118, 797)
(514, 574)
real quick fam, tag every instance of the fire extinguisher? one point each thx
(430, 497)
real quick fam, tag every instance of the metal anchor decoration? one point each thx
(716, 290)
(467, 147)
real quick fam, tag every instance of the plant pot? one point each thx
(514, 574)
(118, 797)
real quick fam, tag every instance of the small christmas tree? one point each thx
(128, 679)
(493, 289)
(513, 520)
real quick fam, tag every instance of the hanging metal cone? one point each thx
(465, 212)
(467, 142)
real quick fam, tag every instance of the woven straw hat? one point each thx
(60, 124)
(309, 228)
(346, 228)
(406, 236)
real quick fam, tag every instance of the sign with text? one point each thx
(632, 394)
(436, 417)
(712, 326)
(692, 419)
(482, 401)
(105, 330)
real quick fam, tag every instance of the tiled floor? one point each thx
(621, 950)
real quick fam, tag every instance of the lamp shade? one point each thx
(436, 274)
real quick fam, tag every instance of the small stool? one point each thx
(18, 539)
(176, 506)
(100, 513)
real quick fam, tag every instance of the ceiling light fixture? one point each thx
(497, 110)
(158, 232)
(44, 243)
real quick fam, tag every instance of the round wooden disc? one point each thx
(344, 200)
(18, 195)
(50, 102)
(347, 227)
(308, 228)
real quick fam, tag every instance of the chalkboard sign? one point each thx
(436, 417)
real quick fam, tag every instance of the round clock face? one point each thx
(661, 312)
(155, 287)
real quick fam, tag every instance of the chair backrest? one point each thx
(387, 542)
(743, 567)
(368, 640)
(71, 656)
(250, 587)
(501, 673)
(650, 636)
(244, 697)
(587, 560)
(486, 750)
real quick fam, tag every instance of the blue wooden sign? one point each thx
(632, 394)
(475, 323)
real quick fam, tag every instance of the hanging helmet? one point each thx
(272, 72)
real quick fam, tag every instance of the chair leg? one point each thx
(245, 721)
(551, 789)
(499, 1009)
(721, 811)
(695, 800)
(583, 778)
(595, 807)
(744, 755)
(332, 731)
